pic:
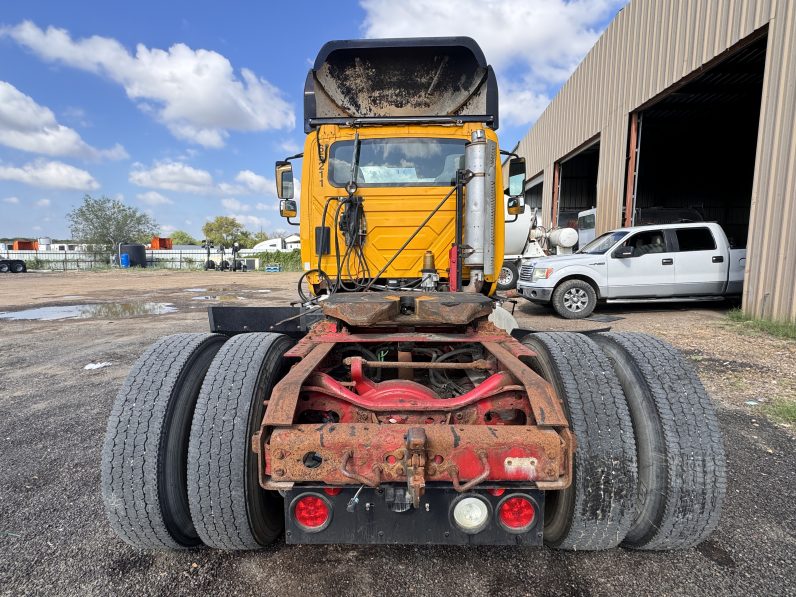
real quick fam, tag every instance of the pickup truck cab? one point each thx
(664, 262)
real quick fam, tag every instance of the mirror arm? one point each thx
(511, 154)
(517, 217)
(294, 157)
(292, 223)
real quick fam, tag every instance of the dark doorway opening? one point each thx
(577, 185)
(696, 150)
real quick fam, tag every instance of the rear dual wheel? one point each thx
(597, 510)
(682, 469)
(229, 508)
(649, 468)
(143, 474)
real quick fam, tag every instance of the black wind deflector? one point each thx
(431, 79)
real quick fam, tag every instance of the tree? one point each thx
(260, 237)
(106, 221)
(224, 230)
(180, 237)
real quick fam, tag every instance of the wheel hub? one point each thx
(576, 299)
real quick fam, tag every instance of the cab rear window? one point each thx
(695, 239)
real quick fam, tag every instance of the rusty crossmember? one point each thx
(371, 454)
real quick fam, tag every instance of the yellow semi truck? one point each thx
(395, 402)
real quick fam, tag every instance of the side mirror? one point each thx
(516, 177)
(287, 208)
(623, 252)
(515, 206)
(284, 180)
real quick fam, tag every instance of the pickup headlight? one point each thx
(541, 273)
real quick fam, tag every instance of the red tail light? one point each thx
(517, 513)
(312, 512)
(497, 491)
(332, 490)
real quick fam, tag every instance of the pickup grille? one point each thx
(526, 271)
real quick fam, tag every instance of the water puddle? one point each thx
(89, 311)
(224, 298)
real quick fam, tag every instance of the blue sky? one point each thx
(181, 108)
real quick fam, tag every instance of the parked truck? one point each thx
(391, 404)
(669, 262)
(15, 266)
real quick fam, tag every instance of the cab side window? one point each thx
(695, 239)
(649, 241)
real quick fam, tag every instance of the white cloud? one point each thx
(250, 221)
(542, 39)
(233, 205)
(268, 206)
(180, 177)
(11, 200)
(166, 228)
(173, 176)
(53, 175)
(196, 94)
(255, 183)
(153, 198)
(28, 126)
(42, 203)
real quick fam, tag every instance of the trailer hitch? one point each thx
(415, 463)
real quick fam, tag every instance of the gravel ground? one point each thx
(54, 538)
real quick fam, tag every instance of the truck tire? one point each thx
(507, 278)
(229, 508)
(18, 267)
(596, 511)
(143, 474)
(4, 267)
(682, 469)
(574, 299)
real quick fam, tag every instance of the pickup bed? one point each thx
(642, 263)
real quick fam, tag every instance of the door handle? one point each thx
(718, 259)
(667, 261)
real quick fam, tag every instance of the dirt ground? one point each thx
(54, 538)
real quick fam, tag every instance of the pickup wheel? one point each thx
(229, 508)
(682, 469)
(574, 299)
(597, 510)
(146, 443)
(507, 278)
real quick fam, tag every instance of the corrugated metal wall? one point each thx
(649, 47)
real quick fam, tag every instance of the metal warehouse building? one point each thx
(683, 104)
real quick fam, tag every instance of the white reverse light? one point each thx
(471, 514)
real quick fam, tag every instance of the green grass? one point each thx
(290, 261)
(781, 410)
(780, 329)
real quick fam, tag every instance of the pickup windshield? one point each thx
(602, 243)
(398, 162)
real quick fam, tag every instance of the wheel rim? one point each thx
(505, 276)
(576, 300)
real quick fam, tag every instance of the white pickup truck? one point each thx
(670, 262)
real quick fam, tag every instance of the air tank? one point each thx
(564, 238)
